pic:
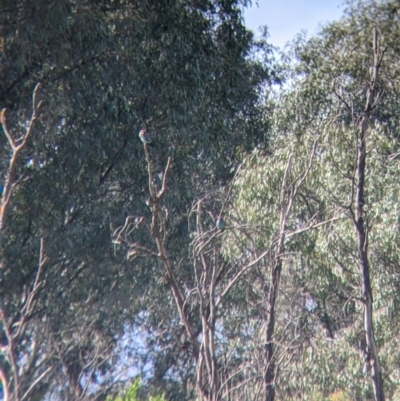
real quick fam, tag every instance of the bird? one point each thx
(145, 137)
(1, 189)
(220, 224)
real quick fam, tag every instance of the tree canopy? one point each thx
(250, 251)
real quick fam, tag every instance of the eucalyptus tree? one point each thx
(203, 295)
(270, 204)
(181, 69)
(353, 68)
(343, 94)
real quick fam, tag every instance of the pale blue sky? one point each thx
(286, 18)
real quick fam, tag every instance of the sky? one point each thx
(286, 18)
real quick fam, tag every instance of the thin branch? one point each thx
(5, 129)
(35, 112)
(16, 148)
(27, 309)
(164, 181)
(10, 352)
(239, 275)
(312, 226)
(37, 381)
(342, 99)
(230, 190)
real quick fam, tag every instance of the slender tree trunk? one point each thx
(371, 359)
(269, 332)
(286, 200)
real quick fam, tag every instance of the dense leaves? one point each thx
(180, 68)
(320, 317)
(84, 308)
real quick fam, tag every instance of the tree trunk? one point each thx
(269, 333)
(286, 201)
(371, 359)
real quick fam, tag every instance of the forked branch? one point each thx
(16, 146)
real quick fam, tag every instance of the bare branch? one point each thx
(230, 190)
(27, 309)
(35, 112)
(5, 129)
(164, 181)
(16, 148)
(10, 352)
(239, 275)
(312, 226)
(36, 382)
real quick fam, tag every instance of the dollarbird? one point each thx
(1, 189)
(220, 224)
(145, 137)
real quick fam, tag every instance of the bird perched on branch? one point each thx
(145, 137)
(220, 223)
(1, 189)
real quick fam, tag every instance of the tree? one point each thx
(183, 70)
(330, 86)
(199, 294)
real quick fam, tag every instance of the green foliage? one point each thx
(131, 394)
(187, 71)
(183, 69)
(321, 106)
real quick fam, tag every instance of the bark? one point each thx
(371, 359)
(16, 145)
(207, 381)
(272, 295)
(289, 189)
(269, 333)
